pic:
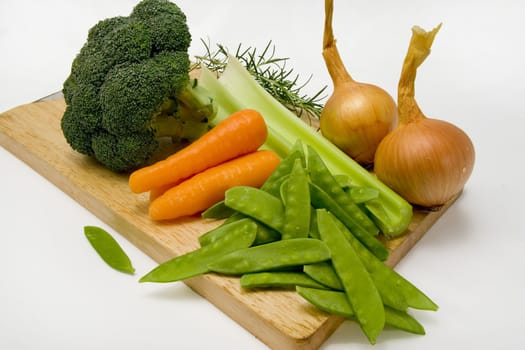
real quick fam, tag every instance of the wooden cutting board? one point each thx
(280, 319)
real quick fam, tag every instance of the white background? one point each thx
(55, 292)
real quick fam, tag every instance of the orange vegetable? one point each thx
(208, 187)
(241, 133)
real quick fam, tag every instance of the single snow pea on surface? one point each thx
(272, 256)
(400, 288)
(256, 204)
(108, 249)
(357, 283)
(196, 262)
(278, 279)
(322, 200)
(320, 175)
(336, 302)
(295, 194)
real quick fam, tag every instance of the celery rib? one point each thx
(236, 89)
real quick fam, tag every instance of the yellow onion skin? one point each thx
(427, 161)
(356, 117)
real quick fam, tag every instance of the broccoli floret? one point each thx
(166, 23)
(130, 85)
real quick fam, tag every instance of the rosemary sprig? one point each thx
(269, 71)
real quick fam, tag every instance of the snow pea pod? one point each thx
(278, 279)
(256, 204)
(264, 234)
(320, 175)
(357, 283)
(402, 292)
(196, 262)
(218, 211)
(321, 199)
(324, 273)
(296, 197)
(336, 302)
(222, 230)
(108, 249)
(272, 185)
(272, 256)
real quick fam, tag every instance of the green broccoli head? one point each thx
(129, 85)
(166, 23)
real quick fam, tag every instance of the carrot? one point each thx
(208, 187)
(156, 192)
(241, 133)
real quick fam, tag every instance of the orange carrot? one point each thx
(208, 187)
(241, 133)
(156, 192)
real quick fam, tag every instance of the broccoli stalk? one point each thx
(129, 85)
(237, 89)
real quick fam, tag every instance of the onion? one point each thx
(357, 116)
(427, 161)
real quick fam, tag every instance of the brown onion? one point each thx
(357, 115)
(427, 161)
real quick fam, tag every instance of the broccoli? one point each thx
(129, 86)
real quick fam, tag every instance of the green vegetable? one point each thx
(321, 199)
(256, 204)
(335, 302)
(324, 273)
(390, 294)
(271, 256)
(401, 289)
(196, 262)
(108, 249)
(281, 279)
(321, 176)
(237, 89)
(357, 283)
(218, 211)
(129, 86)
(296, 198)
(224, 230)
(271, 73)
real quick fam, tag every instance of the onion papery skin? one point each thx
(427, 161)
(356, 117)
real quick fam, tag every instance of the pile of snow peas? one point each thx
(305, 229)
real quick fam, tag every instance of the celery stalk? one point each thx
(236, 89)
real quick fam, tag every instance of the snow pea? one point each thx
(108, 249)
(218, 211)
(222, 230)
(278, 279)
(403, 293)
(295, 194)
(271, 256)
(320, 175)
(321, 199)
(336, 302)
(196, 262)
(272, 185)
(357, 283)
(256, 204)
(324, 273)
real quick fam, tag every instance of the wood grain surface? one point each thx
(280, 319)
